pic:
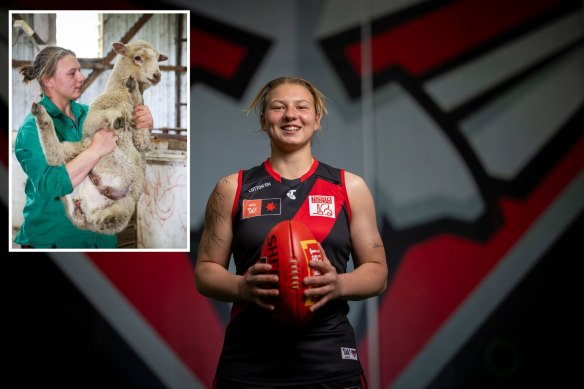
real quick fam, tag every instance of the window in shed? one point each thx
(80, 32)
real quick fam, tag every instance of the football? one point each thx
(289, 247)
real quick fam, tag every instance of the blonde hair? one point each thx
(259, 102)
(44, 65)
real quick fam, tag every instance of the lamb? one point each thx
(106, 199)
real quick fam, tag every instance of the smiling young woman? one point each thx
(258, 349)
(290, 119)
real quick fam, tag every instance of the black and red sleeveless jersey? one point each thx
(258, 349)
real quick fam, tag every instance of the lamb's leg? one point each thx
(113, 218)
(134, 91)
(56, 153)
(74, 210)
(140, 136)
(139, 178)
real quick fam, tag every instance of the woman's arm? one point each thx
(55, 181)
(103, 142)
(211, 274)
(369, 278)
(370, 275)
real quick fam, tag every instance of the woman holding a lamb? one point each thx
(46, 225)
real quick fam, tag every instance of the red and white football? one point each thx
(289, 247)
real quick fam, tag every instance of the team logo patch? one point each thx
(322, 206)
(261, 207)
(349, 353)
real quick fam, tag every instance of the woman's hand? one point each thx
(257, 286)
(325, 286)
(103, 142)
(142, 117)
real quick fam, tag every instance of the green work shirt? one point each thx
(45, 223)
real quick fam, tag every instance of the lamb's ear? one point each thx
(162, 57)
(120, 48)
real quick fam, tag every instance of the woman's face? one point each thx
(67, 81)
(290, 117)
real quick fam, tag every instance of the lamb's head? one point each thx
(142, 59)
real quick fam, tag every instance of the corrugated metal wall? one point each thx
(160, 30)
(22, 97)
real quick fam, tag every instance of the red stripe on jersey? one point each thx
(320, 214)
(310, 172)
(278, 177)
(271, 171)
(237, 195)
(348, 203)
(363, 381)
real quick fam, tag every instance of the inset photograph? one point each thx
(99, 116)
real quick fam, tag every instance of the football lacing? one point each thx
(295, 279)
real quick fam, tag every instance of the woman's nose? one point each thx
(290, 113)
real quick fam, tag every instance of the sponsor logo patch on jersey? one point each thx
(259, 187)
(322, 206)
(349, 353)
(261, 207)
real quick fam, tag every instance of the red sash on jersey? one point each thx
(321, 208)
